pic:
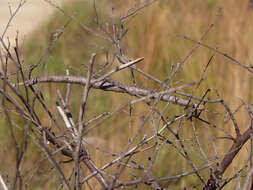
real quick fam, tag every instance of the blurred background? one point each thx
(156, 34)
(32, 14)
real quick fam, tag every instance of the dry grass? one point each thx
(157, 34)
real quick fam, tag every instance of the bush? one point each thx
(85, 109)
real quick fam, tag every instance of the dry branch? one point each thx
(114, 86)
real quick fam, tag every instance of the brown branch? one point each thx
(239, 142)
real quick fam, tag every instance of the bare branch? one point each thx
(111, 85)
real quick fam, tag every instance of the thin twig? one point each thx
(248, 67)
(118, 68)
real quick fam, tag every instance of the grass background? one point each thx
(156, 34)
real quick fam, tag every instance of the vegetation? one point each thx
(163, 33)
